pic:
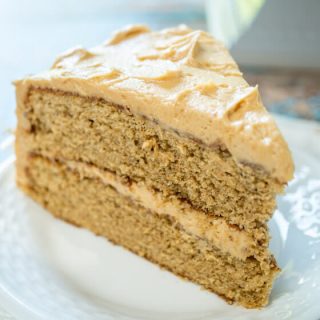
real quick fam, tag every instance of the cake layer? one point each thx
(185, 80)
(60, 125)
(88, 202)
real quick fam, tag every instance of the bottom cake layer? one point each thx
(89, 203)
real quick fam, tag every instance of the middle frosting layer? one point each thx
(215, 230)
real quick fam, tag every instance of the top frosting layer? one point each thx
(181, 77)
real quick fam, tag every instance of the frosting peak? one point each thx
(183, 78)
(127, 32)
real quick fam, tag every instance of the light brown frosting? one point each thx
(216, 230)
(183, 78)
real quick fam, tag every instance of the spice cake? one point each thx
(155, 141)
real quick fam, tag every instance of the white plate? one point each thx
(51, 270)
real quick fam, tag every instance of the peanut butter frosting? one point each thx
(182, 78)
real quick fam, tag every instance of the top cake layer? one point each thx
(184, 79)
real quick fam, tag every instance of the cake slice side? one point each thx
(40, 156)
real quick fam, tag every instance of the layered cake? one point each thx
(155, 141)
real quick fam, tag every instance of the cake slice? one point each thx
(155, 141)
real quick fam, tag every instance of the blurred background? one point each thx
(276, 42)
